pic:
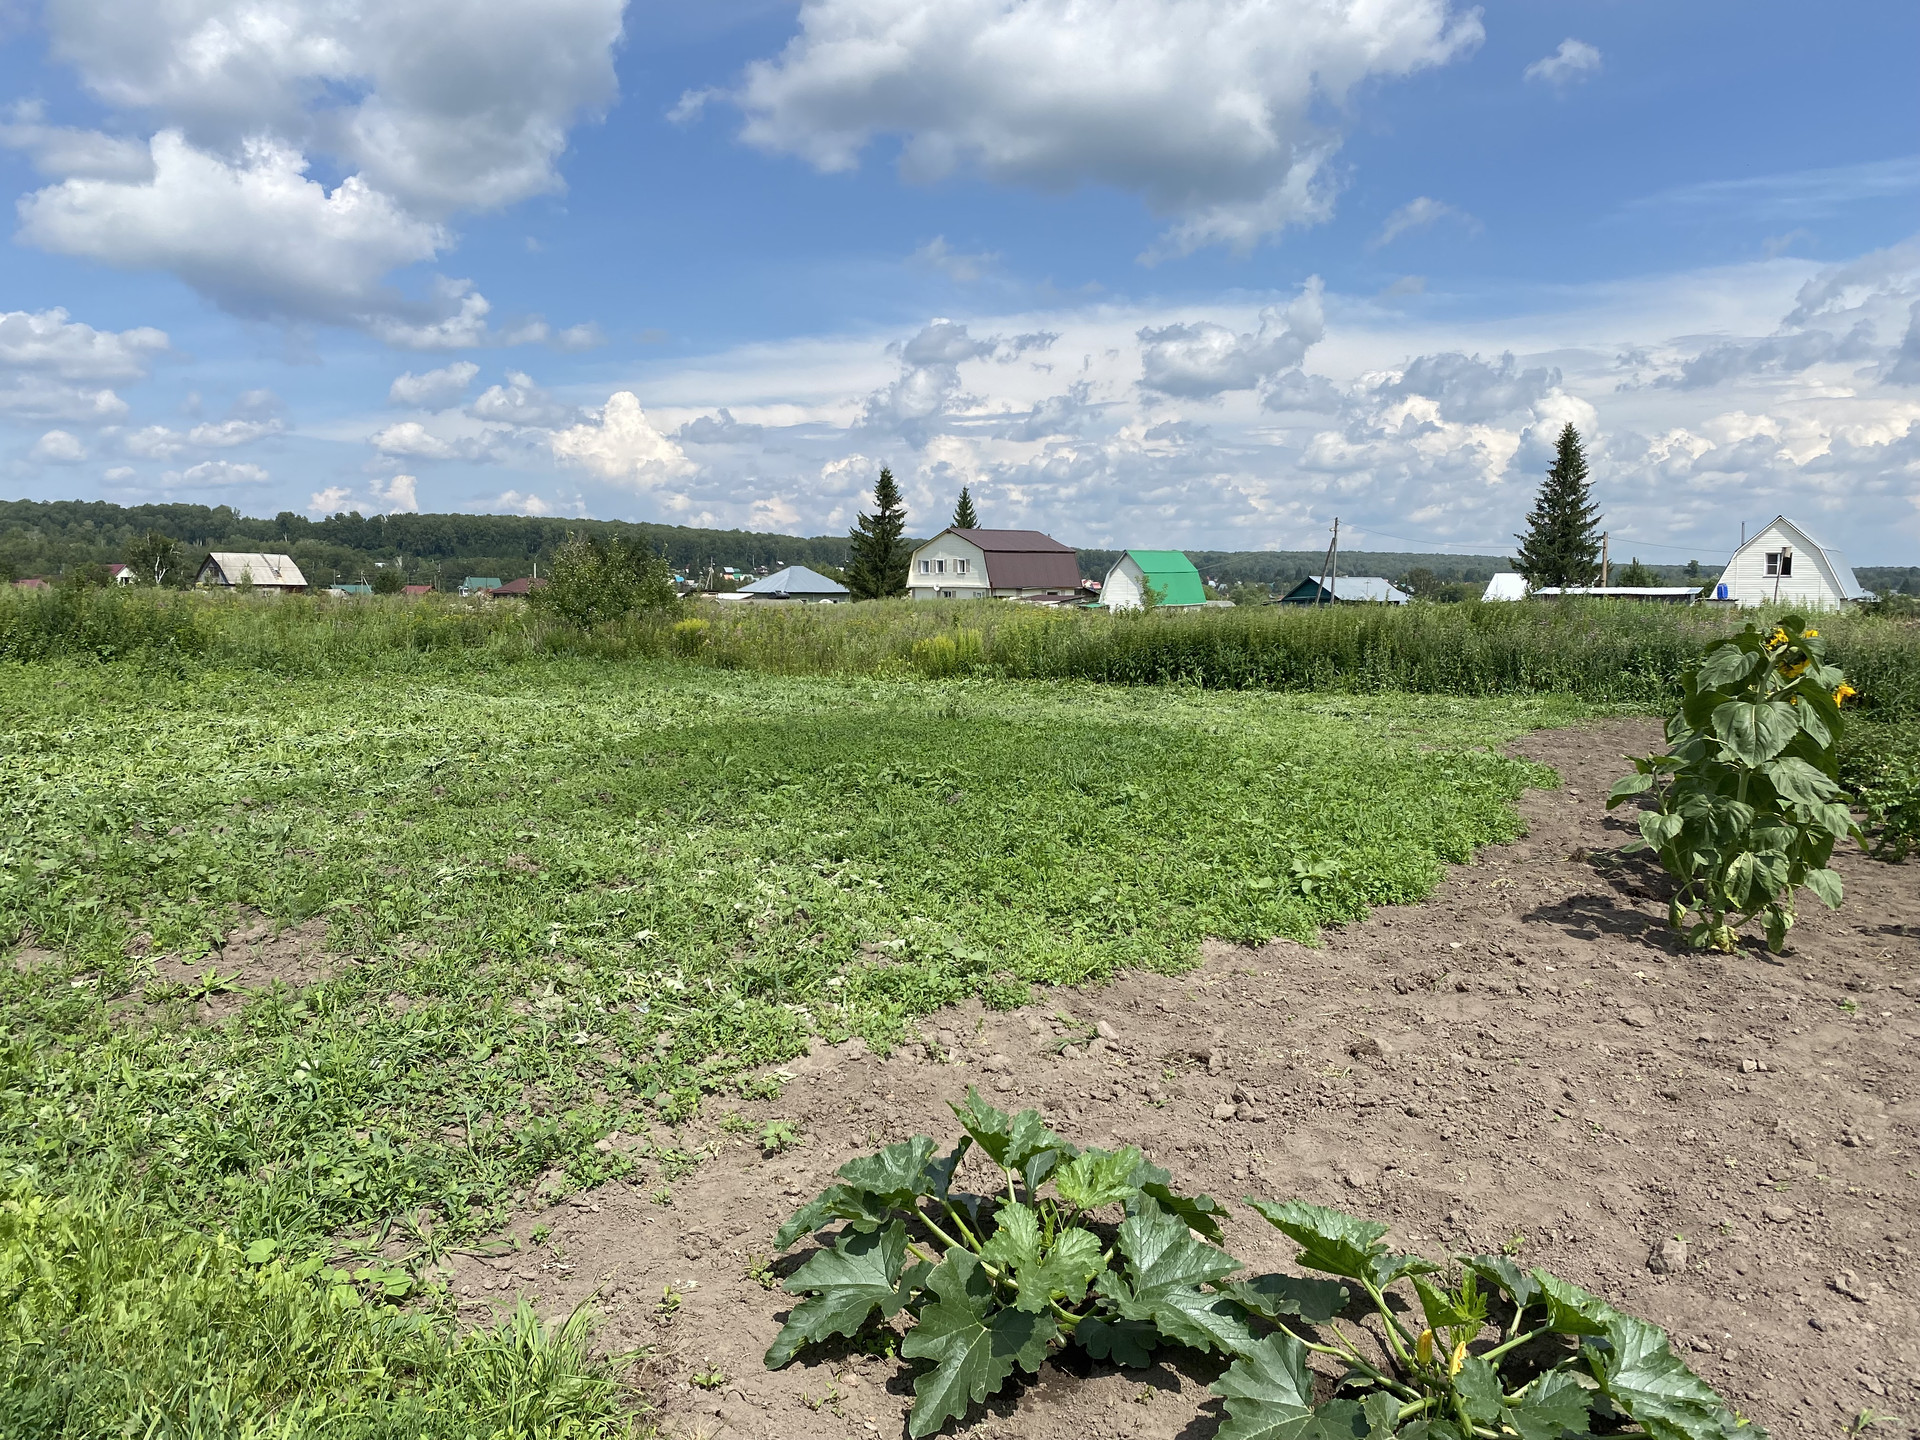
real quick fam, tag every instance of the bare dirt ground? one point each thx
(1530, 1058)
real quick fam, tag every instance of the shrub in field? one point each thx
(1880, 764)
(1750, 805)
(1094, 1249)
(595, 580)
(690, 635)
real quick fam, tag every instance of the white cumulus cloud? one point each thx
(426, 109)
(1417, 214)
(622, 445)
(1204, 358)
(1215, 112)
(58, 447)
(1572, 62)
(434, 389)
(210, 473)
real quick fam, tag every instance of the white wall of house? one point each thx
(1124, 589)
(947, 568)
(1783, 563)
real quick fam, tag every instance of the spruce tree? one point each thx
(1562, 546)
(879, 565)
(963, 516)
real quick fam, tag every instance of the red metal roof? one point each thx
(1024, 559)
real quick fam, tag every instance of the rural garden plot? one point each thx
(567, 893)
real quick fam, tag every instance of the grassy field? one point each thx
(564, 897)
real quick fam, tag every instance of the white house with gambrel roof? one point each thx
(1783, 564)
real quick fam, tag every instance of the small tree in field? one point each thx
(1638, 574)
(595, 580)
(964, 517)
(1562, 544)
(388, 580)
(879, 565)
(154, 560)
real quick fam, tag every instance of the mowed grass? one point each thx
(568, 898)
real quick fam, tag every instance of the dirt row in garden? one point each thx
(1527, 1059)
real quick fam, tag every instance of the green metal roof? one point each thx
(1172, 574)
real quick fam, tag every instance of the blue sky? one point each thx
(1163, 272)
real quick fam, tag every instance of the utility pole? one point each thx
(1330, 569)
(1603, 559)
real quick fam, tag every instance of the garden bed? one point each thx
(1528, 1060)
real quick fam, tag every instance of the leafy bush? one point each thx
(690, 635)
(995, 1282)
(1880, 764)
(1750, 800)
(596, 580)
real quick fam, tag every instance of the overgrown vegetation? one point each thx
(1880, 767)
(118, 1323)
(593, 581)
(1750, 805)
(1606, 653)
(1092, 1249)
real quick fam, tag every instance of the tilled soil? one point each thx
(1529, 1059)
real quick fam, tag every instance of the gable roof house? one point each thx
(120, 574)
(999, 564)
(1345, 590)
(1783, 564)
(518, 589)
(224, 569)
(796, 583)
(479, 584)
(1170, 573)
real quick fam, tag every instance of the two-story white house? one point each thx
(996, 564)
(1784, 565)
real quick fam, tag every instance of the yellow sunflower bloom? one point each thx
(1844, 693)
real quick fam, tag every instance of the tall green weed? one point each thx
(118, 1323)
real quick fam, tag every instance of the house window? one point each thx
(962, 566)
(1779, 562)
(946, 594)
(939, 567)
(926, 567)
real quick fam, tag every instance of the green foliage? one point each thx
(1637, 574)
(1594, 650)
(1880, 765)
(1091, 1249)
(1246, 593)
(117, 1323)
(389, 580)
(878, 564)
(1562, 543)
(690, 635)
(956, 653)
(156, 560)
(1750, 804)
(593, 581)
(964, 517)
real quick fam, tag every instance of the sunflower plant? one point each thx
(1749, 800)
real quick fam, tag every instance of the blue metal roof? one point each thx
(796, 580)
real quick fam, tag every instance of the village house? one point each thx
(517, 589)
(1170, 573)
(225, 569)
(796, 584)
(479, 584)
(1784, 565)
(992, 564)
(1346, 590)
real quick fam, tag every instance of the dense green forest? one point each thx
(55, 538)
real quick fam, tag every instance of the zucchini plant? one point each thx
(1750, 805)
(1095, 1249)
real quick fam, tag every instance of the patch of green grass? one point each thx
(119, 1324)
(577, 896)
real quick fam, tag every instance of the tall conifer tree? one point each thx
(1562, 543)
(879, 565)
(963, 514)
